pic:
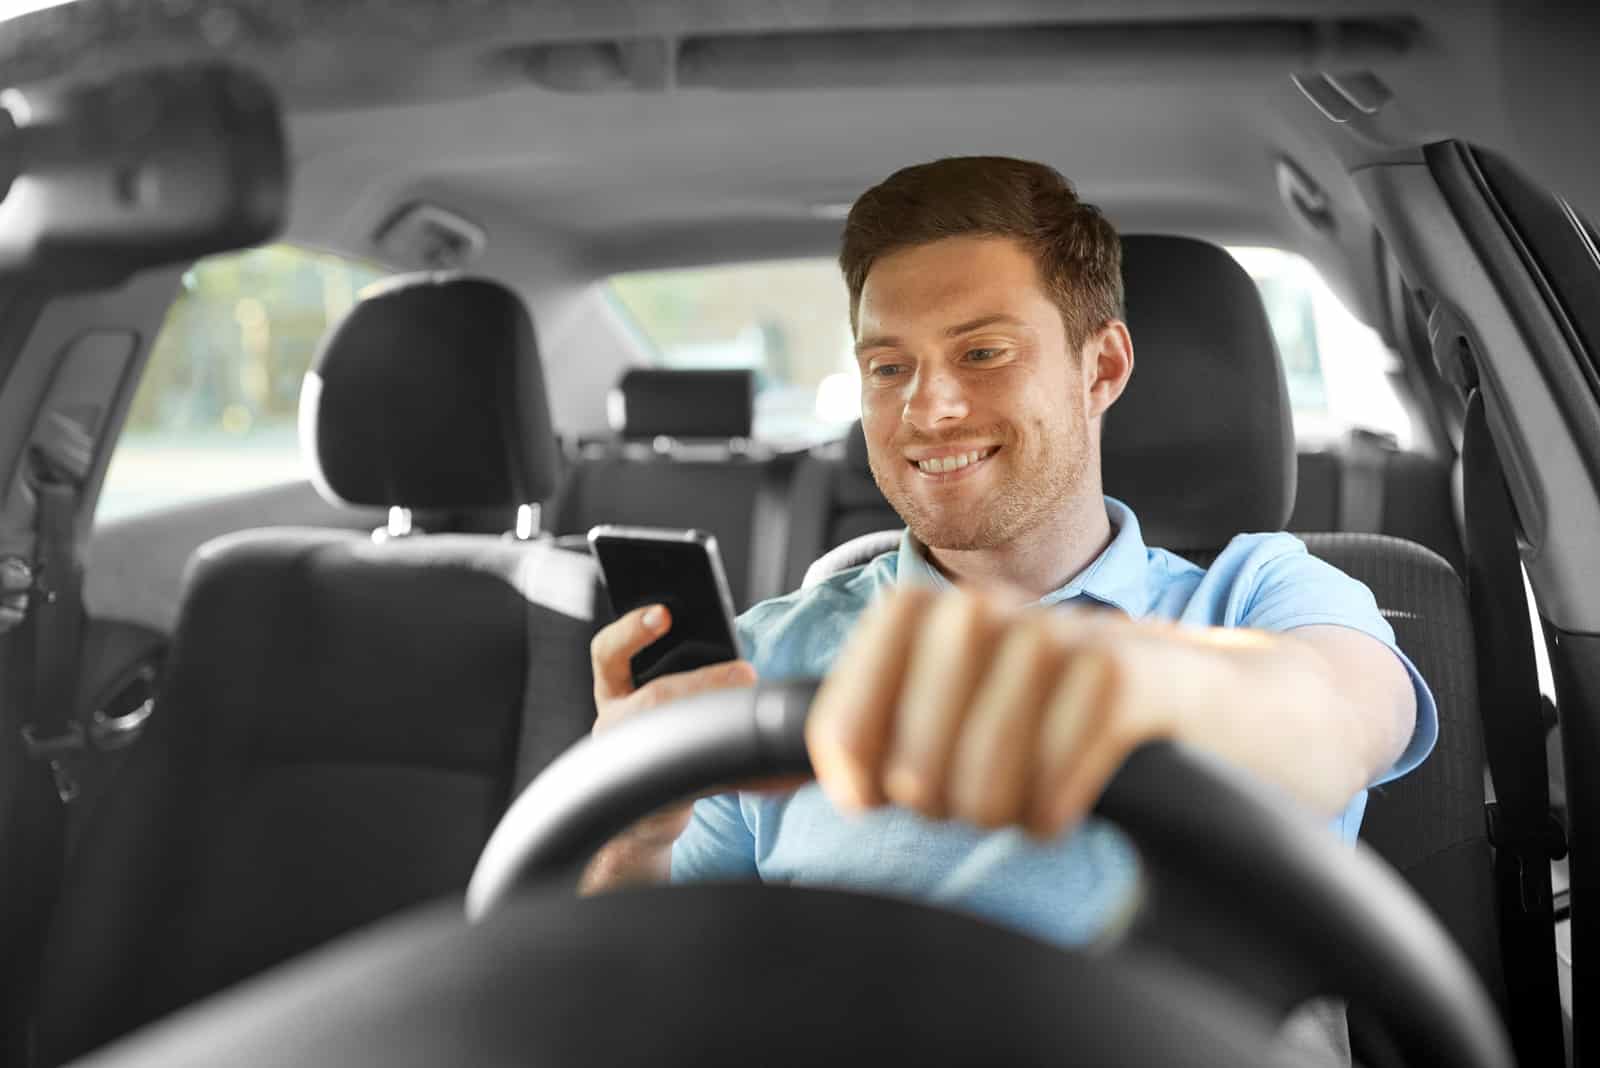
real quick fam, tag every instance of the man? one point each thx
(978, 696)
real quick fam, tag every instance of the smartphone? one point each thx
(677, 568)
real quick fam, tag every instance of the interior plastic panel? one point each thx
(1435, 255)
(133, 309)
(1575, 659)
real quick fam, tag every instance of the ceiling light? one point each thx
(831, 211)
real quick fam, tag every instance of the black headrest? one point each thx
(1201, 444)
(650, 402)
(430, 394)
(855, 450)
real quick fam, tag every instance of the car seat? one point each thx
(344, 716)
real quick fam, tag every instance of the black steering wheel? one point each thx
(1236, 880)
(1248, 906)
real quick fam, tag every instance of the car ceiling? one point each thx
(625, 134)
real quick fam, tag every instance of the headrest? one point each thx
(1201, 444)
(430, 394)
(649, 403)
(855, 450)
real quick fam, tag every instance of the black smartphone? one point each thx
(677, 568)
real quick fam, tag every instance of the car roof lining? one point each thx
(1135, 101)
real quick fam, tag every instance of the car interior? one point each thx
(327, 333)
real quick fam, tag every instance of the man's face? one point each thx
(964, 357)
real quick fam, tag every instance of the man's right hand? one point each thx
(643, 852)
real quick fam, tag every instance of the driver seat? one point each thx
(1201, 447)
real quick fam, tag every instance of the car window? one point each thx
(788, 321)
(215, 410)
(1339, 371)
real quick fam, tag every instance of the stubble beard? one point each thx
(1036, 483)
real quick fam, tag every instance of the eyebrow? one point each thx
(888, 341)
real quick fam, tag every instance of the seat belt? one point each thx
(1522, 828)
(769, 528)
(1363, 463)
(53, 737)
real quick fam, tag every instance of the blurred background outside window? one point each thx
(215, 411)
(788, 321)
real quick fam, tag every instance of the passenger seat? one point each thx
(683, 457)
(345, 716)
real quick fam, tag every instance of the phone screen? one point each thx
(679, 569)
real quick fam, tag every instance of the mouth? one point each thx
(954, 465)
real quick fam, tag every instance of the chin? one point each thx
(963, 534)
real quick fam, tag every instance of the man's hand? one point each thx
(971, 707)
(615, 698)
(643, 852)
(614, 646)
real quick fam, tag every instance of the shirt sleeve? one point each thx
(717, 845)
(1286, 587)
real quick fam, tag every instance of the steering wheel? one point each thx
(1235, 877)
(1247, 907)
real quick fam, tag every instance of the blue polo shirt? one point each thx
(1069, 891)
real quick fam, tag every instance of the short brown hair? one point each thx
(1076, 247)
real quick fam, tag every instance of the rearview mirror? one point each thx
(147, 168)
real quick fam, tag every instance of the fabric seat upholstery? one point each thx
(709, 479)
(343, 719)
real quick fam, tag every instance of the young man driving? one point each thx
(978, 696)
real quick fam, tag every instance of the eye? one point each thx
(983, 355)
(886, 370)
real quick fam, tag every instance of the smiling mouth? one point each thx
(941, 465)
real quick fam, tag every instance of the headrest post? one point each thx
(399, 526)
(528, 521)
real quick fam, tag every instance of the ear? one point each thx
(1107, 362)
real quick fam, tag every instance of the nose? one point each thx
(937, 397)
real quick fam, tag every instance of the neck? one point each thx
(1042, 559)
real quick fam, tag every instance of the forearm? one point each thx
(1298, 715)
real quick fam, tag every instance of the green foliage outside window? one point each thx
(240, 337)
(216, 409)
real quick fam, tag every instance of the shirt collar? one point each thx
(1117, 577)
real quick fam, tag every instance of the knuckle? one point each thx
(1025, 644)
(972, 804)
(654, 693)
(826, 734)
(908, 783)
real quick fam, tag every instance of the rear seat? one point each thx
(683, 458)
(833, 499)
(1367, 486)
